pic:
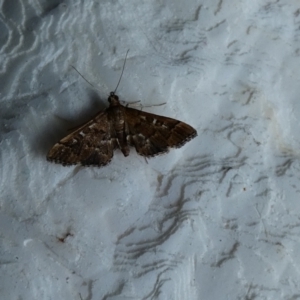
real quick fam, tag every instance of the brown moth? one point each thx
(93, 143)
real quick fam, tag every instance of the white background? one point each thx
(216, 219)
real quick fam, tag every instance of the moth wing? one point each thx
(92, 144)
(152, 135)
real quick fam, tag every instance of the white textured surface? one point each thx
(216, 219)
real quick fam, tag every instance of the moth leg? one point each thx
(131, 103)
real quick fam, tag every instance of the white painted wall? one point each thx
(216, 219)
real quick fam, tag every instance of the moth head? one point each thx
(113, 99)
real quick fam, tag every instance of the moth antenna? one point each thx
(122, 71)
(83, 77)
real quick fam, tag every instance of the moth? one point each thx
(119, 126)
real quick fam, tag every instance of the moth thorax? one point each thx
(113, 99)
